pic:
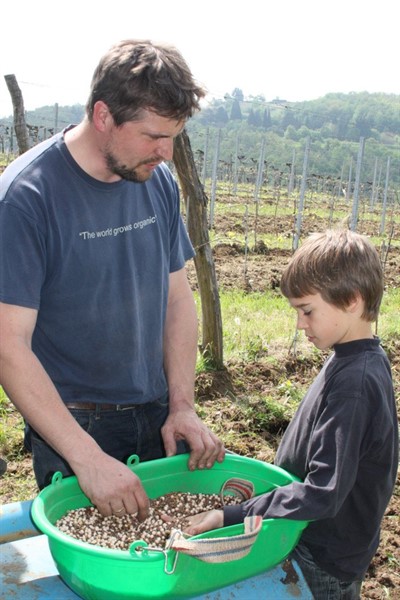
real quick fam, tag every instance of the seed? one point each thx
(88, 525)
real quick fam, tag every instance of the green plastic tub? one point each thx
(96, 573)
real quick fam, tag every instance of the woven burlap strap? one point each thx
(222, 549)
(241, 488)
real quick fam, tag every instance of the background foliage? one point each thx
(334, 123)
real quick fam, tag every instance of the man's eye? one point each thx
(306, 312)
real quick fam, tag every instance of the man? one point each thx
(98, 322)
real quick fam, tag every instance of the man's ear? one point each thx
(102, 117)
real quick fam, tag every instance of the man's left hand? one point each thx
(205, 446)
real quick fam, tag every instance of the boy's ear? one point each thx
(356, 303)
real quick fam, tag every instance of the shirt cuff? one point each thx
(233, 514)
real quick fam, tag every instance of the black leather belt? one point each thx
(99, 406)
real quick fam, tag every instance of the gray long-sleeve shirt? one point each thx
(343, 444)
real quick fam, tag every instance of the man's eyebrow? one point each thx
(163, 135)
(153, 134)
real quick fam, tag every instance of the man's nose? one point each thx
(165, 148)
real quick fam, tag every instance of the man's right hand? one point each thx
(112, 487)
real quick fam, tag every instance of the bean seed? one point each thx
(88, 525)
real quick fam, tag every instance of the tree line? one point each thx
(342, 116)
(334, 125)
(242, 125)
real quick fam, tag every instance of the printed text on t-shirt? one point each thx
(114, 231)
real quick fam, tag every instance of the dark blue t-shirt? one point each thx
(94, 259)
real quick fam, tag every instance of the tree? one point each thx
(238, 95)
(267, 121)
(196, 209)
(254, 118)
(21, 130)
(236, 113)
(221, 116)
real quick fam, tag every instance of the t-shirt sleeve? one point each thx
(22, 260)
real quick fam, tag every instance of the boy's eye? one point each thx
(306, 312)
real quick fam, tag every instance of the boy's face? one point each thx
(325, 325)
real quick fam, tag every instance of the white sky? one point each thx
(292, 49)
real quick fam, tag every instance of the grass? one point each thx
(17, 483)
(257, 324)
(11, 442)
(389, 318)
(251, 321)
(11, 428)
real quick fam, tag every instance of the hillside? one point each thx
(237, 127)
(334, 125)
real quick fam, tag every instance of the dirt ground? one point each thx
(219, 394)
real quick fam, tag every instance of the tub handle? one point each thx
(141, 546)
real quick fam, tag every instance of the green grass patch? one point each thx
(251, 321)
(258, 325)
(389, 318)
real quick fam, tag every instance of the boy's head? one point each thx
(339, 265)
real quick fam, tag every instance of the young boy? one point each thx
(343, 439)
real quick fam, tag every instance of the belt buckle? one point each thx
(121, 407)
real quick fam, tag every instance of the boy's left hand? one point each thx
(205, 521)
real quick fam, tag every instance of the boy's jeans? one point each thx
(322, 585)
(119, 433)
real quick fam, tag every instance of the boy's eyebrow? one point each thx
(301, 305)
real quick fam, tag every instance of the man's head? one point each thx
(339, 265)
(137, 75)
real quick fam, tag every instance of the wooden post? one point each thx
(196, 204)
(21, 130)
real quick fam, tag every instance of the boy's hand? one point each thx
(205, 521)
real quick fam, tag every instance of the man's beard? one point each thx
(125, 172)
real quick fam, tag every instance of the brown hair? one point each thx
(338, 264)
(137, 74)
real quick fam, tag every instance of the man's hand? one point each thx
(113, 488)
(205, 447)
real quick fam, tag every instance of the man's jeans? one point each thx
(322, 585)
(119, 433)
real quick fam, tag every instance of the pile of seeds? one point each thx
(118, 533)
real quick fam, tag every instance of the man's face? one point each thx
(134, 149)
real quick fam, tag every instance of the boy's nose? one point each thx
(300, 322)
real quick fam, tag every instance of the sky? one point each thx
(289, 49)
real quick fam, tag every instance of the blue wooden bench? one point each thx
(27, 570)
